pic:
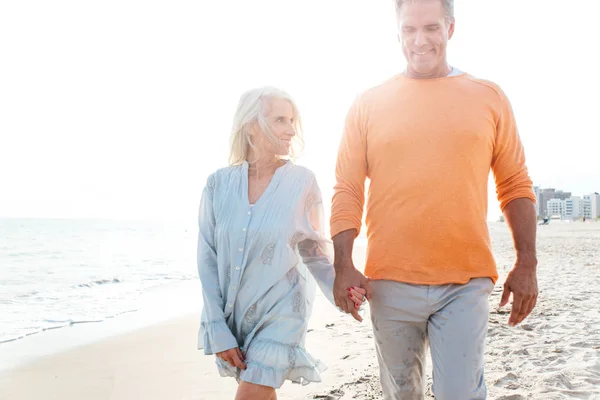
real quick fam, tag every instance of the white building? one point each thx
(591, 206)
(574, 207)
(556, 208)
(538, 196)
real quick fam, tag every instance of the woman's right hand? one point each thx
(234, 357)
(358, 296)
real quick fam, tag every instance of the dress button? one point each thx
(229, 305)
(249, 212)
(243, 229)
(237, 268)
(241, 249)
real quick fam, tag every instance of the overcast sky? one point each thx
(122, 108)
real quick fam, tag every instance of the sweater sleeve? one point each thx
(351, 173)
(508, 160)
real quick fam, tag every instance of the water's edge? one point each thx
(160, 305)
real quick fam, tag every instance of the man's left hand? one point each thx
(522, 283)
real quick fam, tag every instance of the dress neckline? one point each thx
(270, 187)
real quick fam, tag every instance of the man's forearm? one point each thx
(522, 221)
(343, 243)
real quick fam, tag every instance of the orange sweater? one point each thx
(427, 146)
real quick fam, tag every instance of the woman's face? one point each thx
(280, 118)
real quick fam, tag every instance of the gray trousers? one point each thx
(451, 319)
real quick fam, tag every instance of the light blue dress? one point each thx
(258, 265)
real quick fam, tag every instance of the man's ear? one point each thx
(451, 25)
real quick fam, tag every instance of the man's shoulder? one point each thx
(382, 88)
(484, 85)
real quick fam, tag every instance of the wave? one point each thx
(91, 284)
(9, 253)
(96, 283)
(99, 283)
(169, 278)
(56, 324)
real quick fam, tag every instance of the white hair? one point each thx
(448, 6)
(251, 109)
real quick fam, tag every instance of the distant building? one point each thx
(591, 206)
(538, 202)
(550, 194)
(545, 196)
(554, 203)
(562, 195)
(574, 207)
(556, 208)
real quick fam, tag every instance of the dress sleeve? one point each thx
(316, 250)
(215, 335)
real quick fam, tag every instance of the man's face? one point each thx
(424, 32)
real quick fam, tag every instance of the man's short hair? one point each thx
(448, 6)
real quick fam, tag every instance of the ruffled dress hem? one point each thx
(271, 363)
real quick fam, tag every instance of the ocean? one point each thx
(56, 273)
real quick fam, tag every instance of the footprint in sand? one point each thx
(584, 345)
(363, 379)
(333, 395)
(528, 327)
(506, 380)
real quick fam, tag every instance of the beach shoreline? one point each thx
(184, 298)
(554, 354)
(140, 363)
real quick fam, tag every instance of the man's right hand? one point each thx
(346, 277)
(234, 357)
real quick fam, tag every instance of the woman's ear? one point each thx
(253, 129)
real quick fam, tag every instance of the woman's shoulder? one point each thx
(222, 176)
(303, 173)
(224, 173)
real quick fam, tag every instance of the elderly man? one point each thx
(427, 139)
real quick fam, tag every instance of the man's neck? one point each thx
(440, 72)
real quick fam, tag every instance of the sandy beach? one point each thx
(554, 354)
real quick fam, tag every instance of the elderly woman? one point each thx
(260, 250)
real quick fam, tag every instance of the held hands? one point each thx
(350, 282)
(358, 296)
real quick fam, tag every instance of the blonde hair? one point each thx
(251, 109)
